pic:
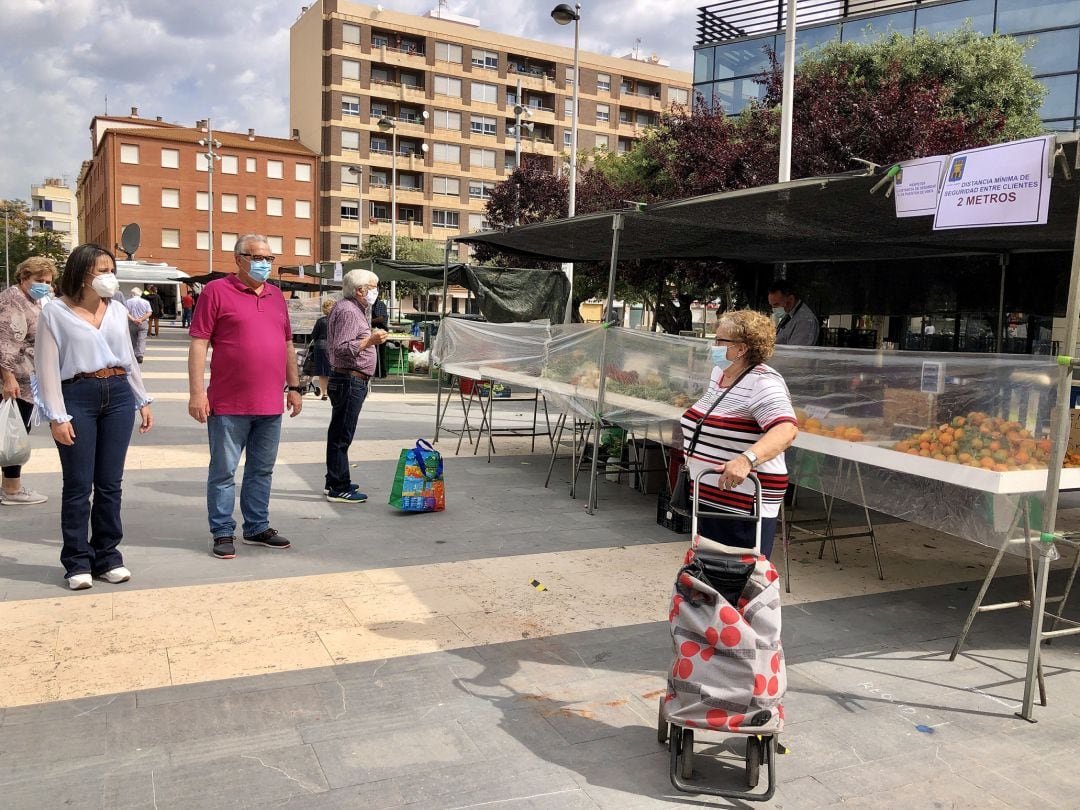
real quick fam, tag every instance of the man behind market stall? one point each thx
(798, 325)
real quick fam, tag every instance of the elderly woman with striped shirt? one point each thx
(747, 422)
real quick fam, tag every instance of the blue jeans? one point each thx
(347, 395)
(102, 416)
(229, 437)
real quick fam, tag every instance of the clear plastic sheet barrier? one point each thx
(955, 442)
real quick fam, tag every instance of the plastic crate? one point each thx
(397, 360)
(673, 521)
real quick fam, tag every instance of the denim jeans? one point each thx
(347, 395)
(102, 416)
(229, 437)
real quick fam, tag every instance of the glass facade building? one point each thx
(727, 57)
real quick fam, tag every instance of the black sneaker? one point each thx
(350, 488)
(270, 539)
(223, 548)
(351, 496)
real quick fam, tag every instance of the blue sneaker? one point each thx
(352, 496)
(352, 488)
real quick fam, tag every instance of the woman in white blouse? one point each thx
(88, 385)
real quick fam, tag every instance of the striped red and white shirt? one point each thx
(757, 402)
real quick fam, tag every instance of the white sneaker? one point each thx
(80, 582)
(117, 575)
(23, 497)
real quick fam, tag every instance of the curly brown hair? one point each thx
(754, 329)
(35, 266)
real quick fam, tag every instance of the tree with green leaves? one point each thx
(19, 244)
(420, 251)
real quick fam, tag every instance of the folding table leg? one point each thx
(559, 424)
(869, 523)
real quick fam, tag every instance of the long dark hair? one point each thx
(79, 265)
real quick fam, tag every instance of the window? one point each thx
(230, 164)
(624, 116)
(275, 243)
(303, 209)
(444, 219)
(603, 82)
(1052, 51)
(202, 240)
(275, 169)
(303, 246)
(347, 177)
(678, 95)
(624, 146)
(350, 139)
(350, 105)
(444, 119)
(445, 86)
(129, 153)
(949, 17)
(477, 222)
(409, 214)
(230, 203)
(447, 153)
(569, 77)
(482, 158)
(450, 186)
(251, 165)
(603, 112)
(486, 93)
(1032, 15)
(350, 34)
(200, 162)
(509, 161)
(350, 245)
(378, 178)
(350, 210)
(273, 206)
(447, 52)
(250, 204)
(408, 182)
(170, 238)
(170, 158)
(485, 59)
(410, 80)
(479, 190)
(170, 198)
(566, 139)
(202, 201)
(568, 107)
(303, 172)
(129, 195)
(483, 125)
(379, 144)
(228, 240)
(379, 40)
(379, 211)
(602, 142)
(643, 119)
(350, 69)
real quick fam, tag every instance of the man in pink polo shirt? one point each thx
(246, 322)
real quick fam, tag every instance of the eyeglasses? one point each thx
(718, 341)
(255, 257)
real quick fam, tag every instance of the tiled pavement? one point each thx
(393, 660)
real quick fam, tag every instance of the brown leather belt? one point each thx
(100, 374)
(353, 373)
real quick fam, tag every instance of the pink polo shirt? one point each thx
(247, 333)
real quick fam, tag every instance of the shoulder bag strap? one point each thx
(701, 422)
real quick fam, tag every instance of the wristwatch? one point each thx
(751, 456)
(295, 388)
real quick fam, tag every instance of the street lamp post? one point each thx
(387, 125)
(358, 173)
(211, 144)
(563, 14)
(7, 242)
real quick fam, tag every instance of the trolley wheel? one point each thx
(661, 725)
(687, 769)
(755, 753)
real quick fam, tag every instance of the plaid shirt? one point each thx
(347, 326)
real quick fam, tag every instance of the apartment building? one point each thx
(154, 173)
(53, 208)
(445, 90)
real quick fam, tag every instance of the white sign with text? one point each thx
(996, 186)
(916, 186)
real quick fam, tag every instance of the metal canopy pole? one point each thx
(438, 387)
(787, 98)
(1003, 261)
(1046, 546)
(616, 230)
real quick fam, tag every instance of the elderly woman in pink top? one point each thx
(19, 308)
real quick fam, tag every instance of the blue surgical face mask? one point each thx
(39, 290)
(260, 271)
(779, 312)
(719, 357)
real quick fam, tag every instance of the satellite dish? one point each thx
(130, 239)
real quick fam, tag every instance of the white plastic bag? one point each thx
(14, 443)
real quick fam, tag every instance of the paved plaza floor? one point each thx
(391, 660)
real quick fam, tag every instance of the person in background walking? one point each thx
(187, 306)
(88, 387)
(156, 310)
(138, 309)
(20, 305)
(318, 345)
(246, 322)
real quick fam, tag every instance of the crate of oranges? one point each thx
(840, 430)
(983, 441)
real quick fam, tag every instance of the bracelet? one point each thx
(295, 388)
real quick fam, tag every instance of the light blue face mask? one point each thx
(39, 290)
(779, 312)
(719, 357)
(260, 271)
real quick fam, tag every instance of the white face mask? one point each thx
(371, 297)
(779, 312)
(105, 285)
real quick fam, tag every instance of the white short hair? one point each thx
(355, 279)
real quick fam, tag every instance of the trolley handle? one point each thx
(695, 511)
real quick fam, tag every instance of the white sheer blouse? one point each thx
(68, 345)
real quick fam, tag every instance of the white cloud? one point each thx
(189, 59)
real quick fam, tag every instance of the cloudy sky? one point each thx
(189, 59)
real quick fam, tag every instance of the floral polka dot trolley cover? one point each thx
(728, 673)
